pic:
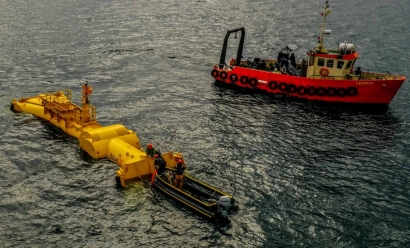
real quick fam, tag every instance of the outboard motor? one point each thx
(224, 204)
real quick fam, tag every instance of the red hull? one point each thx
(368, 91)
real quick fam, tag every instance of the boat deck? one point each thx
(200, 197)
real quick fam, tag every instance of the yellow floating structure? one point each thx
(115, 142)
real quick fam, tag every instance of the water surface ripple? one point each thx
(304, 174)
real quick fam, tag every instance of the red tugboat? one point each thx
(325, 75)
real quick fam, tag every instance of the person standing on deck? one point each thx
(150, 150)
(179, 173)
(159, 163)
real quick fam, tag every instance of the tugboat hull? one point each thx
(359, 91)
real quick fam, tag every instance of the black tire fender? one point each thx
(282, 86)
(253, 82)
(233, 78)
(321, 91)
(244, 80)
(331, 91)
(311, 90)
(352, 91)
(273, 85)
(341, 92)
(302, 90)
(223, 75)
(215, 73)
(292, 88)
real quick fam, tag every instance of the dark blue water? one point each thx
(304, 174)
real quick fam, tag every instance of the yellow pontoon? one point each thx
(114, 142)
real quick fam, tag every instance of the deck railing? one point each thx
(84, 116)
(363, 76)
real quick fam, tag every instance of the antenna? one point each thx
(320, 48)
(352, 36)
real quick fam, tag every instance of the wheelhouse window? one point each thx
(349, 64)
(329, 63)
(320, 62)
(340, 64)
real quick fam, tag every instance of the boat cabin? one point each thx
(334, 64)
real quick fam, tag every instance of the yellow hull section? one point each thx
(114, 142)
(96, 141)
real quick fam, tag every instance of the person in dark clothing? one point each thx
(358, 72)
(150, 150)
(159, 163)
(179, 175)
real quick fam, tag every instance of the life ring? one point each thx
(301, 90)
(253, 82)
(273, 85)
(341, 91)
(292, 88)
(311, 90)
(223, 75)
(244, 80)
(233, 78)
(215, 73)
(321, 91)
(331, 91)
(282, 86)
(324, 72)
(351, 91)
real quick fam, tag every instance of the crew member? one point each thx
(87, 90)
(150, 150)
(159, 163)
(179, 175)
(358, 72)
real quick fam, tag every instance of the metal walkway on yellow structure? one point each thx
(115, 142)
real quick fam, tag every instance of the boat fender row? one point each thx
(291, 88)
(234, 78)
(320, 91)
(223, 74)
(251, 81)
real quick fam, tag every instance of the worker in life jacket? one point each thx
(179, 174)
(150, 150)
(87, 90)
(159, 163)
